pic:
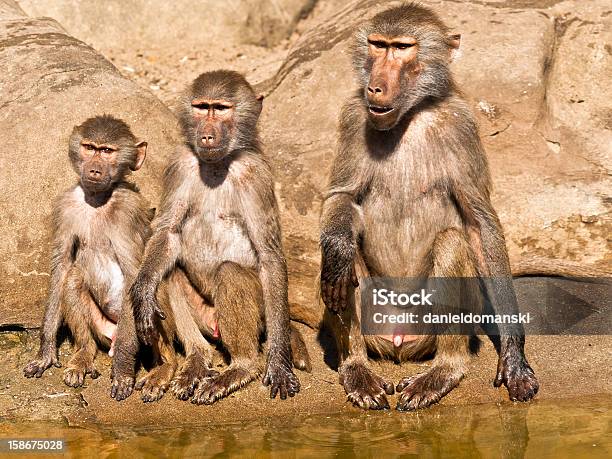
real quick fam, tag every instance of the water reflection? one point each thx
(568, 428)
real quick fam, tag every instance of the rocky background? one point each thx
(535, 72)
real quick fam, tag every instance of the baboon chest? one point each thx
(405, 207)
(96, 260)
(214, 232)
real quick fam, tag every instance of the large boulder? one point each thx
(155, 23)
(551, 196)
(50, 82)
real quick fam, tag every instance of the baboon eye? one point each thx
(89, 147)
(378, 44)
(106, 150)
(403, 45)
(221, 108)
(203, 107)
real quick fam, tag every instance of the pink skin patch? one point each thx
(104, 326)
(398, 340)
(111, 351)
(208, 317)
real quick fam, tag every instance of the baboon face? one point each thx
(401, 57)
(103, 151)
(394, 70)
(219, 115)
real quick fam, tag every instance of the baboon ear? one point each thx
(454, 42)
(141, 154)
(260, 99)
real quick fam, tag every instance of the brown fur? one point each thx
(219, 224)
(412, 197)
(99, 232)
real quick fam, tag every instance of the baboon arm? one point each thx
(487, 240)
(263, 226)
(341, 215)
(163, 248)
(61, 261)
(348, 183)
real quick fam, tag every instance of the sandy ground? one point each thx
(567, 367)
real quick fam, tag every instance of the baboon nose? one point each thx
(94, 173)
(208, 139)
(375, 90)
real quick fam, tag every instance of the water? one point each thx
(543, 429)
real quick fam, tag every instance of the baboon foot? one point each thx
(221, 386)
(516, 374)
(364, 388)
(78, 367)
(425, 389)
(154, 384)
(193, 372)
(39, 366)
(122, 386)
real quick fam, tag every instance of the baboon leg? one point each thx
(237, 297)
(182, 298)
(77, 304)
(156, 382)
(363, 387)
(451, 258)
(299, 351)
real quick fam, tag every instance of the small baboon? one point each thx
(216, 249)
(100, 227)
(409, 196)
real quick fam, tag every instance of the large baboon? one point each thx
(409, 196)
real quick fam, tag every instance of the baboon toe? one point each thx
(364, 388)
(424, 389)
(154, 385)
(122, 387)
(302, 364)
(213, 389)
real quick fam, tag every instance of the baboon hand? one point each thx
(337, 271)
(146, 310)
(515, 373)
(336, 294)
(279, 376)
(43, 361)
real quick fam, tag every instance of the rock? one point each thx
(506, 77)
(10, 10)
(154, 23)
(580, 117)
(49, 83)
